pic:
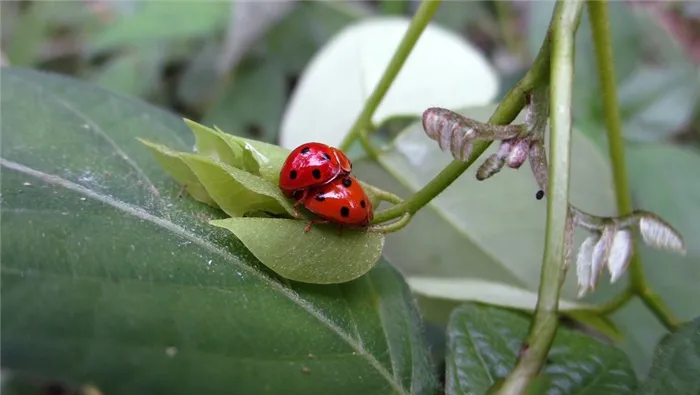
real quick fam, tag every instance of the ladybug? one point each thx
(343, 201)
(312, 165)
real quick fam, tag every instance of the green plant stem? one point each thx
(506, 112)
(600, 26)
(420, 20)
(394, 226)
(616, 302)
(565, 21)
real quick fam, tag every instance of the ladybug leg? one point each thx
(312, 222)
(296, 208)
(299, 197)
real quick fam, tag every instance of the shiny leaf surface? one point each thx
(483, 344)
(676, 365)
(109, 277)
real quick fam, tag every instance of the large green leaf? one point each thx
(483, 344)
(109, 277)
(676, 368)
(664, 179)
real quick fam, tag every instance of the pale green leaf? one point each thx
(214, 145)
(321, 256)
(475, 290)
(504, 295)
(236, 191)
(259, 158)
(179, 171)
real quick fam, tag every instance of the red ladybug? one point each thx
(342, 201)
(312, 165)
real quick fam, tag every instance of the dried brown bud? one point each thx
(492, 165)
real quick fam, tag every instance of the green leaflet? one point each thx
(321, 256)
(236, 191)
(178, 170)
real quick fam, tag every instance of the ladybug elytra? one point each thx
(342, 201)
(312, 165)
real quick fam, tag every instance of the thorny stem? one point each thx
(600, 26)
(420, 20)
(565, 21)
(506, 112)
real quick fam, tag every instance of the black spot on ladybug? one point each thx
(539, 195)
(305, 150)
(293, 174)
(347, 182)
(326, 156)
(363, 204)
(320, 198)
(316, 173)
(344, 211)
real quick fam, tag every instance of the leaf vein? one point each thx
(172, 227)
(100, 132)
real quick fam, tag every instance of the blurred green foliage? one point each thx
(177, 55)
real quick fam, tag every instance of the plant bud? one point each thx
(620, 254)
(518, 154)
(492, 165)
(658, 234)
(584, 261)
(601, 254)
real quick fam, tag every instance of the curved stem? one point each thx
(506, 112)
(657, 306)
(616, 302)
(394, 226)
(544, 326)
(382, 194)
(600, 25)
(422, 17)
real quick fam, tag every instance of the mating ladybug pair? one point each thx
(317, 176)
